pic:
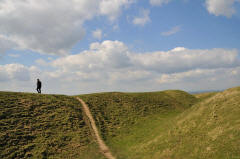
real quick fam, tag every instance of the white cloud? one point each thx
(5, 45)
(112, 8)
(17, 77)
(143, 18)
(201, 79)
(111, 66)
(178, 61)
(221, 7)
(235, 72)
(97, 34)
(191, 75)
(45, 26)
(159, 2)
(51, 27)
(14, 55)
(14, 72)
(114, 55)
(172, 31)
(178, 49)
(108, 54)
(215, 7)
(41, 62)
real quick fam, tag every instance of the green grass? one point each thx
(43, 126)
(158, 125)
(204, 96)
(123, 116)
(116, 111)
(169, 124)
(130, 141)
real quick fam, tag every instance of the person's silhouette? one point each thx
(39, 86)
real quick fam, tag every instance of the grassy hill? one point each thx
(118, 114)
(169, 124)
(158, 125)
(115, 111)
(43, 126)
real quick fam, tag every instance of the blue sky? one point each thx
(197, 28)
(119, 45)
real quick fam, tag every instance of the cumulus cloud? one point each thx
(112, 8)
(116, 55)
(172, 31)
(201, 79)
(5, 45)
(221, 7)
(97, 34)
(191, 75)
(178, 60)
(41, 62)
(108, 54)
(17, 77)
(159, 2)
(45, 26)
(14, 72)
(215, 7)
(143, 18)
(111, 66)
(51, 27)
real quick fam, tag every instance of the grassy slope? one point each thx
(43, 126)
(204, 96)
(169, 124)
(209, 129)
(155, 125)
(120, 115)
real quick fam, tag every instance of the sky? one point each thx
(87, 46)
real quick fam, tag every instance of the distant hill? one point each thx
(206, 91)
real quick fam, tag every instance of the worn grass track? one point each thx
(103, 147)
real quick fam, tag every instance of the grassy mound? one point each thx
(169, 124)
(116, 113)
(208, 129)
(43, 126)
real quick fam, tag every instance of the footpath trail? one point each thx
(103, 147)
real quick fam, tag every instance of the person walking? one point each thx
(39, 86)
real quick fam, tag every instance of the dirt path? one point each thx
(103, 147)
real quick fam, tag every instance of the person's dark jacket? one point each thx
(39, 84)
